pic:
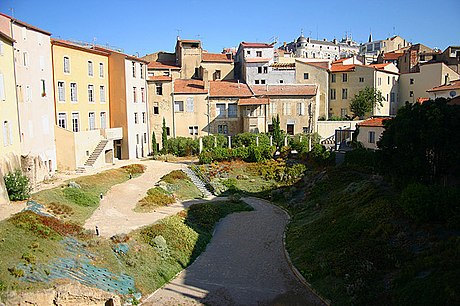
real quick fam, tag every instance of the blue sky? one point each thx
(144, 27)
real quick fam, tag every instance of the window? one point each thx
(301, 109)
(222, 129)
(190, 105)
(343, 112)
(232, 110)
(136, 118)
(333, 78)
(156, 109)
(103, 118)
(259, 69)
(290, 129)
(262, 82)
(159, 89)
(411, 81)
(28, 93)
(75, 122)
(371, 137)
(143, 117)
(61, 91)
(257, 82)
(270, 128)
(137, 139)
(217, 75)
(220, 110)
(145, 137)
(411, 93)
(259, 53)
(42, 62)
(379, 81)
(7, 134)
(305, 130)
(305, 76)
(90, 93)
(43, 87)
(168, 131)
(73, 92)
(142, 70)
(25, 59)
(178, 106)
(92, 120)
(265, 69)
(197, 73)
(287, 108)
(344, 93)
(392, 97)
(62, 120)
(134, 69)
(90, 68)
(388, 80)
(134, 94)
(273, 109)
(193, 130)
(102, 94)
(2, 88)
(361, 79)
(344, 77)
(248, 52)
(281, 81)
(101, 70)
(333, 94)
(66, 65)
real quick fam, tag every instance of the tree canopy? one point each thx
(365, 100)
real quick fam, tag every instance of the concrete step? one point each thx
(198, 182)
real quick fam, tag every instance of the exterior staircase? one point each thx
(198, 182)
(97, 151)
(329, 142)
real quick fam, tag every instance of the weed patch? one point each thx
(156, 197)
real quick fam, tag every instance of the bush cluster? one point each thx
(182, 146)
(321, 156)
(281, 172)
(17, 185)
(248, 154)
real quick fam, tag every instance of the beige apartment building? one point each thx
(414, 85)
(348, 80)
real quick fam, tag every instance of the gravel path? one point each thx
(243, 265)
(115, 213)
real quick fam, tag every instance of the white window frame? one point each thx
(77, 129)
(103, 119)
(66, 64)
(90, 69)
(190, 107)
(2, 88)
(91, 121)
(371, 136)
(101, 70)
(61, 91)
(178, 106)
(221, 110)
(102, 94)
(232, 110)
(91, 93)
(64, 120)
(73, 93)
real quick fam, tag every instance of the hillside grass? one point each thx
(78, 204)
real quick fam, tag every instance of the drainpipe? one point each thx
(173, 113)
(16, 84)
(209, 115)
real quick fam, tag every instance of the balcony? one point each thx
(112, 133)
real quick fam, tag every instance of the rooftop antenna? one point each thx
(94, 41)
(394, 30)
(178, 34)
(301, 32)
(317, 34)
(12, 11)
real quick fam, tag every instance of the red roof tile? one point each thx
(189, 87)
(342, 68)
(228, 89)
(163, 65)
(68, 44)
(255, 45)
(339, 61)
(379, 66)
(374, 122)
(160, 78)
(284, 90)
(322, 65)
(26, 24)
(283, 65)
(392, 55)
(253, 101)
(216, 57)
(453, 85)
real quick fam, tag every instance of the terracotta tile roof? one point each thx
(160, 78)
(163, 65)
(339, 61)
(392, 55)
(374, 122)
(342, 68)
(216, 57)
(284, 90)
(228, 89)
(130, 57)
(453, 85)
(257, 60)
(253, 101)
(255, 45)
(379, 66)
(26, 25)
(189, 87)
(322, 65)
(68, 44)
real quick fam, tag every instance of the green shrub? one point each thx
(134, 168)
(209, 141)
(174, 175)
(155, 197)
(206, 157)
(182, 146)
(249, 139)
(17, 186)
(364, 158)
(16, 272)
(160, 245)
(321, 156)
(430, 203)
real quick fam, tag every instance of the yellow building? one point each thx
(9, 137)
(81, 85)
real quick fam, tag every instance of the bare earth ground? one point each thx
(243, 265)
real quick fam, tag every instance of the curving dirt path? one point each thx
(115, 213)
(244, 264)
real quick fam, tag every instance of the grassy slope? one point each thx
(351, 241)
(82, 202)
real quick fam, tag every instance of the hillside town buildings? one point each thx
(69, 106)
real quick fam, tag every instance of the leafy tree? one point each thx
(164, 138)
(154, 144)
(421, 143)
(365, 101)
(277, 133)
